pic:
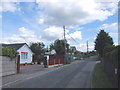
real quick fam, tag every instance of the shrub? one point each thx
(9, 52)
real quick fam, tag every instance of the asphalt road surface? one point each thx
(75, 75)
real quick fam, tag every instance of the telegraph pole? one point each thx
(64, 45)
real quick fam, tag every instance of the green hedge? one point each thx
(112, 55)
(9, 52)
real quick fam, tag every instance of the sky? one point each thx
(43, 21)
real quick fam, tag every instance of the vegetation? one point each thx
(102, 41)
(58, 45)
(100, 79)
(109, 53)
(38, 50)
(9, 52)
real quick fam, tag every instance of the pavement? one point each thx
(78, 74)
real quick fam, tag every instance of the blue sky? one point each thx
(43, 22)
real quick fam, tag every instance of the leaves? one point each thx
(9, 51)
(59, 46)
(103, 39)
(37, 48)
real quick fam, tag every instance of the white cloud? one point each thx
(112, 29)
(41, 21)
(53, 33)
(76, 12)
(115, 35)
(77, 36)
(83, 47)
(25, 35)
(9, 6)
(109, 27)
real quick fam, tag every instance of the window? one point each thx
(24, 55)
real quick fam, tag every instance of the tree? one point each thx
(37, 48)
(59, 45)
(102, 41)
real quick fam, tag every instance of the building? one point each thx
(73, 49)
(25, 53)
(51, 59)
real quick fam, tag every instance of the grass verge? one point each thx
(100, 80)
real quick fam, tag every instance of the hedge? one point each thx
(9, 52)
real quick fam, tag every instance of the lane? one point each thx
(76, 75)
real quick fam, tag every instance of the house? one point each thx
(50, 52)
(51, 59)
(26, 55)
(73, 49)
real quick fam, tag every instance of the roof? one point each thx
(50, 52)
(16, 45)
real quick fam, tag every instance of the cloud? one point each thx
(25, 35)
(83, 47)
(9, 6)
(115, 35)
(74, 37)
(75, 12)
(52, 33)
(112, 29)
(109, 27)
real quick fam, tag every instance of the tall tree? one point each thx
(59, 45)
(103, 39)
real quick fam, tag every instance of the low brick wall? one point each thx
(8, 66)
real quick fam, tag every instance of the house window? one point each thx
(24, 55)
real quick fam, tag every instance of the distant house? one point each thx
(52, 59)
(25, 52)
(50, 52)
(73, 48)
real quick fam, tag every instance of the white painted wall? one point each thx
(25, 48)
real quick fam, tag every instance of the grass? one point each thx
(100, 80)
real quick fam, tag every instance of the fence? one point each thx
(55, 59)
(8, 66)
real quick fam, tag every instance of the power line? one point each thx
(73, 39)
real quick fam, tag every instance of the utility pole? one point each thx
(64, 45)
(87, 46)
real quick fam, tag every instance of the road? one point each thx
(75, 75)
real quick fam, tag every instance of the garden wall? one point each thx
(8, 66)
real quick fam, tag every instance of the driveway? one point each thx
(75, 75)
(29, 68)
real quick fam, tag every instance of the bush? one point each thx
(9, 52)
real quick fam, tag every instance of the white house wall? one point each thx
(29, 57)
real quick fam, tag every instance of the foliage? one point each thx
(38, 58)
(100, 80)
(103, 39)
(58, 45)
(9, 51)
(92, 53)
(37, 48)
(113, 54)
(108, 49)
